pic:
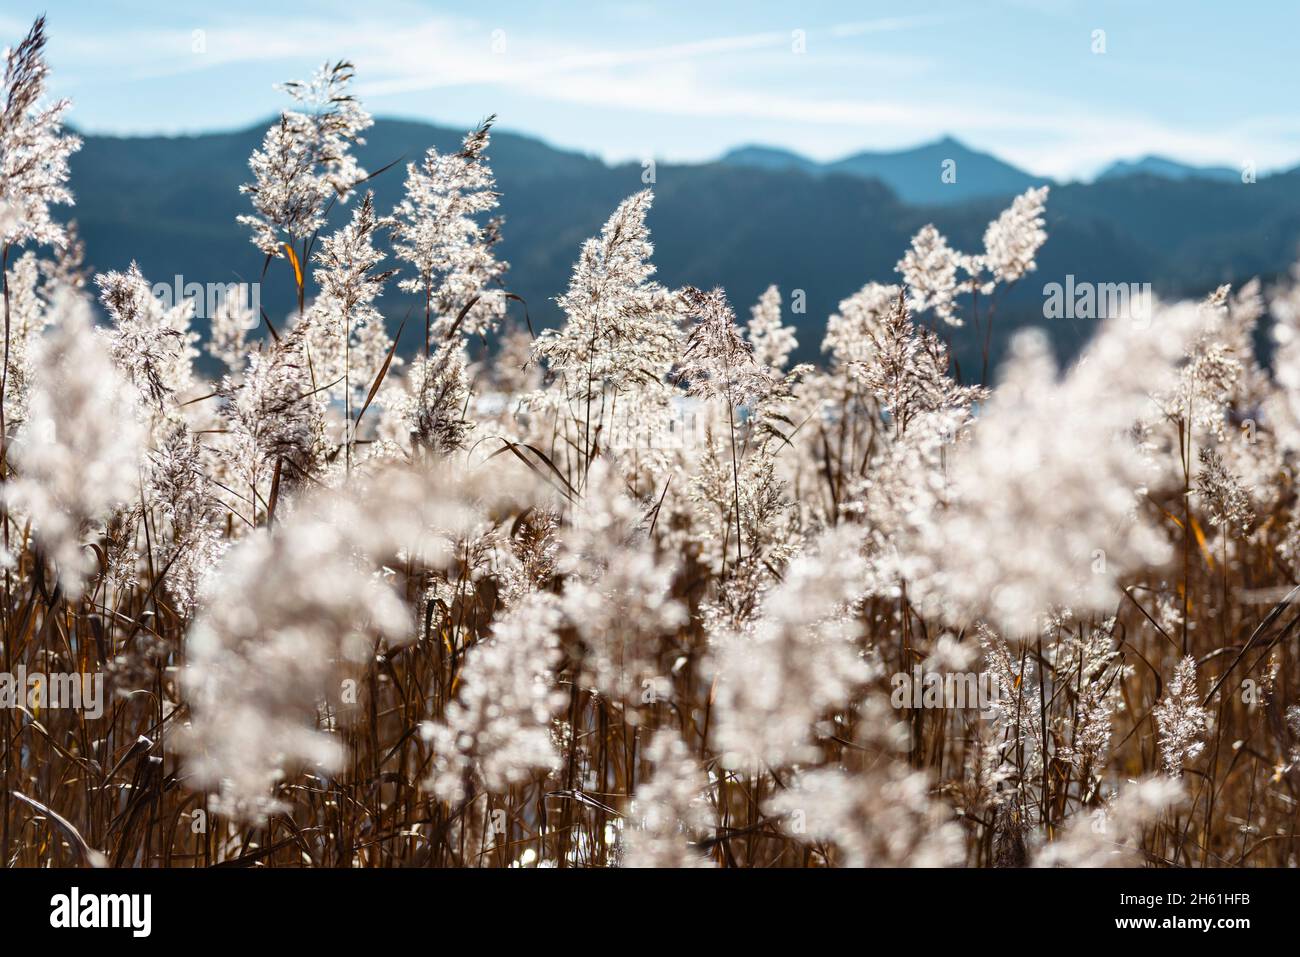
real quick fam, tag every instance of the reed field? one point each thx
(442, 588)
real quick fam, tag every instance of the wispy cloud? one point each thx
(882, 25)
(847, 84)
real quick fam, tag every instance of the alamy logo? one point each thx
(74, 910)
(679, 426)
(960, 691)
(36, 690)
(1098, 300)
(212, 297)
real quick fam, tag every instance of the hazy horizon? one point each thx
(501, 127)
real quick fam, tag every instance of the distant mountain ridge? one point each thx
(916, 174)
(939, 173)
(171, 203)
(1168, 169)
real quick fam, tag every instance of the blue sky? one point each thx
(1202, 81)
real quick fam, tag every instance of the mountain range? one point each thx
(754, 217)
(917, 175)
(1166, 168)
(939, 173)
